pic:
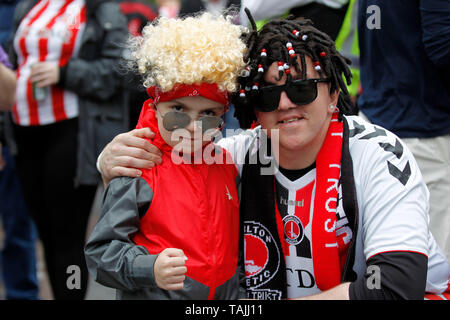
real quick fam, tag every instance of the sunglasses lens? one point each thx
(302, 92)
(173, 120)
(211, 122)
(268, 99)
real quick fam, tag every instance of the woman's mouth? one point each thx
(290, 120)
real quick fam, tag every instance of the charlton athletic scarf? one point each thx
(263, 236)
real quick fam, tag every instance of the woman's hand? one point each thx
(45, 74)
(127, 153)
(169, 269)
(8, 88)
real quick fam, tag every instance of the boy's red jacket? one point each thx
(195, 208)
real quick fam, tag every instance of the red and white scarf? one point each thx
(326, 259)
(259, 211)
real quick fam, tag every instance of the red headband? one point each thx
(206, 90)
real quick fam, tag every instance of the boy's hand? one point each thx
(127, 153)
(169, 269)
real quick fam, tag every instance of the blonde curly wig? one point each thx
(192, 50)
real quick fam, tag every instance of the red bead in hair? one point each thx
(317, 66)
(280, 66)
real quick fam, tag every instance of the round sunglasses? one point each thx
(300, 92)
(173, 120)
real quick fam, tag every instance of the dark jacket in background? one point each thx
(7, 8)
(138, 14)
(405, 66)
(324, 18)
(95, 76)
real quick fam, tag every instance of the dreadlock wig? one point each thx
(191, 50)
(283, 41)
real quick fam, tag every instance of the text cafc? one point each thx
(233, 309)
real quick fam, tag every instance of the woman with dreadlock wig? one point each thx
(331, 198)
(288, 42)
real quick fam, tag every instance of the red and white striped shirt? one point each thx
(50, 32)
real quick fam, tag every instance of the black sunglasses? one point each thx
(300, 92)
(173, 120)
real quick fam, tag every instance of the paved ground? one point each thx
(95, 291)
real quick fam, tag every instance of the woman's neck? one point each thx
(302, 157)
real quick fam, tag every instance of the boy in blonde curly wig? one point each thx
(173, 232)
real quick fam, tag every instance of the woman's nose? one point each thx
(285, 103)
